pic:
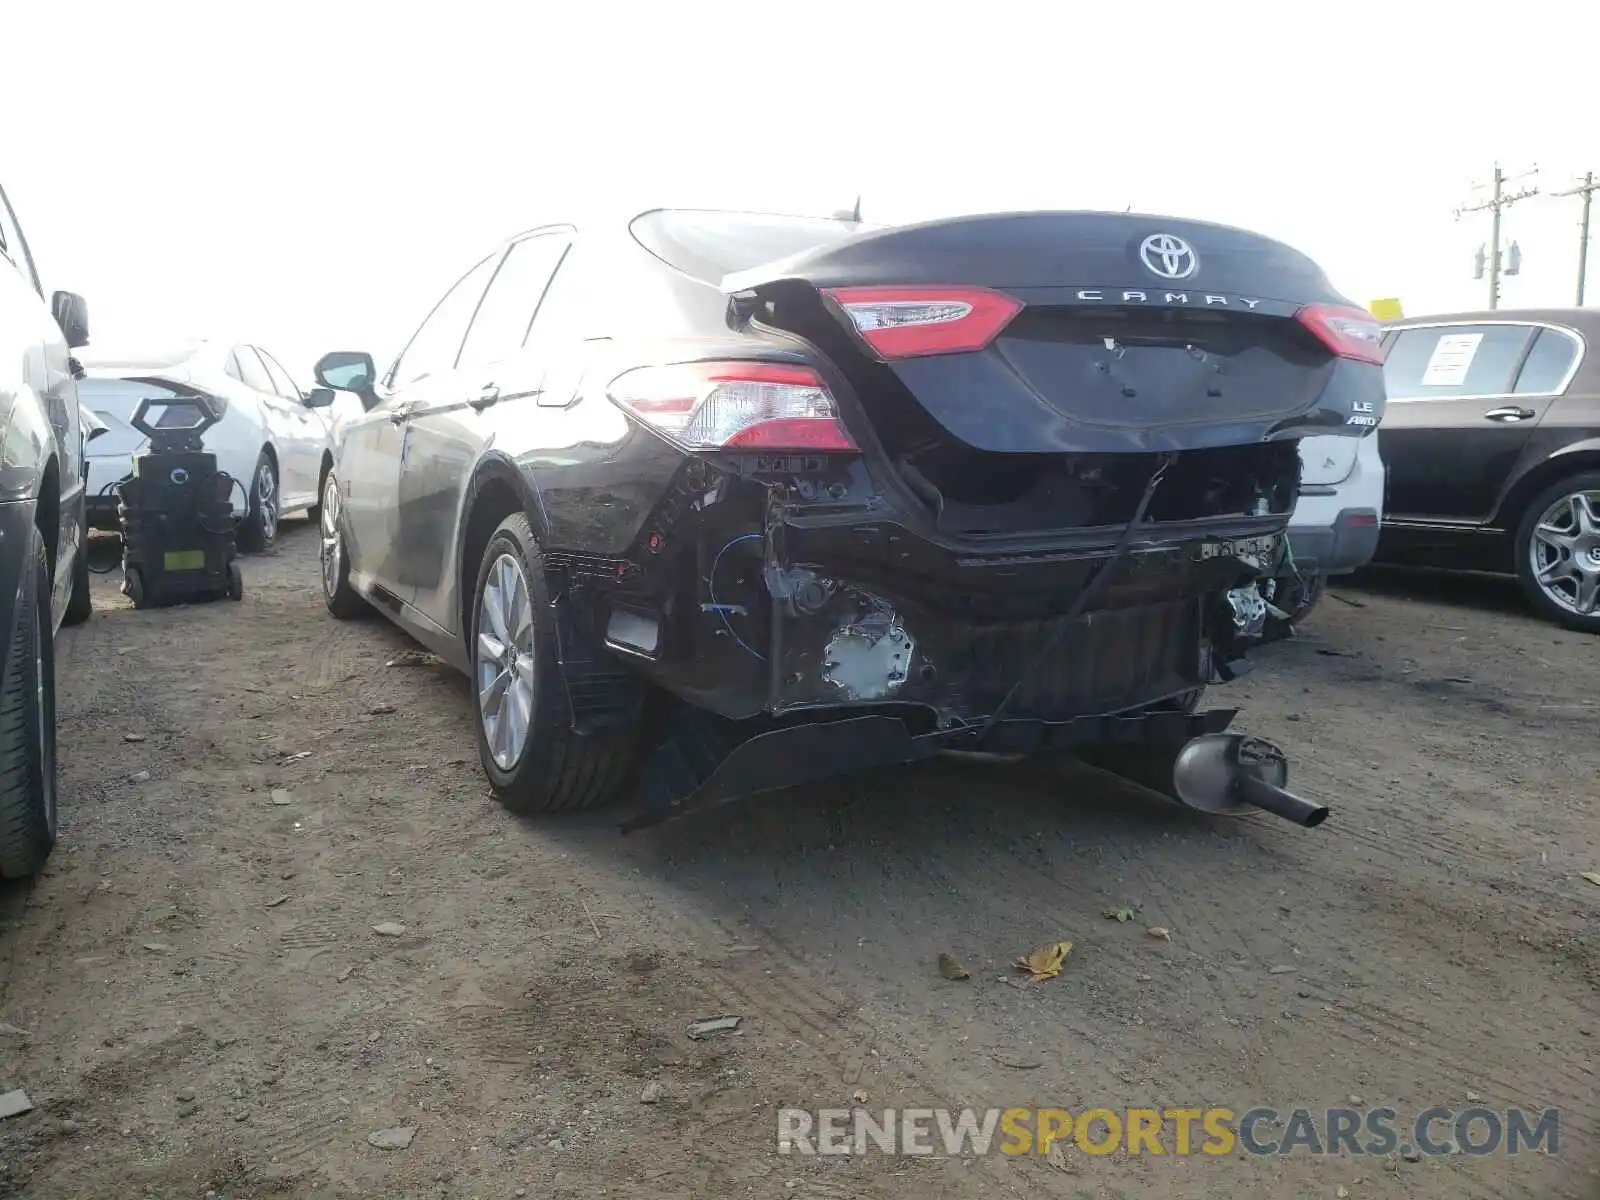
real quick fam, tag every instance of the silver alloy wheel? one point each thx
(47, 775)
(1564, 553)
(503, 661)
(332, 542)
(267, 496)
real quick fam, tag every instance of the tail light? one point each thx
(1348, 332)
(911, 322)
(735, 406)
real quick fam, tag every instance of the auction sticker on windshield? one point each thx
(1451, 360)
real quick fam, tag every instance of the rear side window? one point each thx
(281, 383)
(436, 344)
(707, 245)
(1549, 364)
(1444, 361)
(500, 326)
(250, 370)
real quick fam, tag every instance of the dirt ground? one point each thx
(195, 998)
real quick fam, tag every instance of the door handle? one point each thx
(489, 394)
(1510, 414)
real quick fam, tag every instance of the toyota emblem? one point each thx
(1168, 256)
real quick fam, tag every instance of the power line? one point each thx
(1586, 189)
(1499, 200)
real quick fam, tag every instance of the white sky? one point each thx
(311, 175)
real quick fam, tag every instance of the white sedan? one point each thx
(273, 441)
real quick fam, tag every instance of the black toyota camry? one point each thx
(743, 500)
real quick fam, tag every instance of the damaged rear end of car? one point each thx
(990, 486)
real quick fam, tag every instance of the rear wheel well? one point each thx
(494, 499)
(47, 511)
(1515, 505)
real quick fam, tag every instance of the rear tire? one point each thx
(81, 605)
(314, 513)
(1559, 535)
(259, 533)
(343, 601)
(536, 762)
(28, 725)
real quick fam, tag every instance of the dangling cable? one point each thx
(1084, 596)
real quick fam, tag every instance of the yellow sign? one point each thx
(1387, 309)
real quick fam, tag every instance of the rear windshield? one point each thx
(707, 245)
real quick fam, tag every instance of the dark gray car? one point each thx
(44, 578)
(1492, 441)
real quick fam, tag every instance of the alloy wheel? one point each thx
(504, 661)
(1564, 552)
(332, 542)
(267, 496)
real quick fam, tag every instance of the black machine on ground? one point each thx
(176, 511)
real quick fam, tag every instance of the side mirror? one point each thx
(319, 397)
(72, 314)
(347, 371)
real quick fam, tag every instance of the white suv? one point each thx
(1334, 527)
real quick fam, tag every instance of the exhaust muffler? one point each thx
(1226, 773)
(1220, 773)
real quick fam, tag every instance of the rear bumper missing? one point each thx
(796, 620)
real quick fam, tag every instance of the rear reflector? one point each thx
(735, 406)
(911, 322)
(1348, 332)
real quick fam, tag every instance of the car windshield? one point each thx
(707, 245)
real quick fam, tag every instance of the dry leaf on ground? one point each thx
(1045, 962)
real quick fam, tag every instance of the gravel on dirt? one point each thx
(545, 974)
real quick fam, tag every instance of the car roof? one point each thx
(1587, 319)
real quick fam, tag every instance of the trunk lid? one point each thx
(1133, 334)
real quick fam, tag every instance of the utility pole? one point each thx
(1499, 200)
(1586, 189)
